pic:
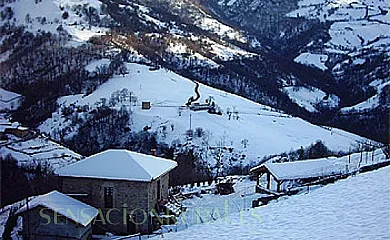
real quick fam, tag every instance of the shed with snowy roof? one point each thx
(57, 216)
(281, 177)
(124, 184)
(9, 100)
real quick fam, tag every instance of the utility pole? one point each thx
(131, 103)
(349, 156)
(1, 163)
(28, 219)
(190, 121)
(361, 157)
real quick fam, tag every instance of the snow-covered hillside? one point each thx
(40, 150)
(210, 24)
(359, 32)
(357, 25)
(249, 128)
(75, 16)
(355, 208)
(30, 148)
(370, 103)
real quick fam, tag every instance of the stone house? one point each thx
(125, 186)
(57, 216)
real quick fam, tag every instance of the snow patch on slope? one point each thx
(184, 53)
(313, 60)
(370, 103)
(210, 24)
(310, 98)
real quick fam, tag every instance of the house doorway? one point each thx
(131, 224)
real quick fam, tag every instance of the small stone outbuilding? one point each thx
(57, 216)
(125, 186)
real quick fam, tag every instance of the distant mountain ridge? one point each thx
(290, 55)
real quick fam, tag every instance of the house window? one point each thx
(108, 197)
(158, 189)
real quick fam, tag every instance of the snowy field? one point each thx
(354, 208)
(312, 60)
(309, 98)
(253, 129)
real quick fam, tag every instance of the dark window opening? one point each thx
(108, 197)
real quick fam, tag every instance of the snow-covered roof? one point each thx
(304, 169)
(6, 124)
(6, 96)
(119, 165)
(64, 205)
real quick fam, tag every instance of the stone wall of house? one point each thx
(164, 184)
(43, 224)
(130, 198)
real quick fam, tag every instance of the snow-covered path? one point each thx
(354, 208)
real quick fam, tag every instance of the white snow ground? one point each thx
(209, 207)
(354, 208)
(267, 132)
(312, 60)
